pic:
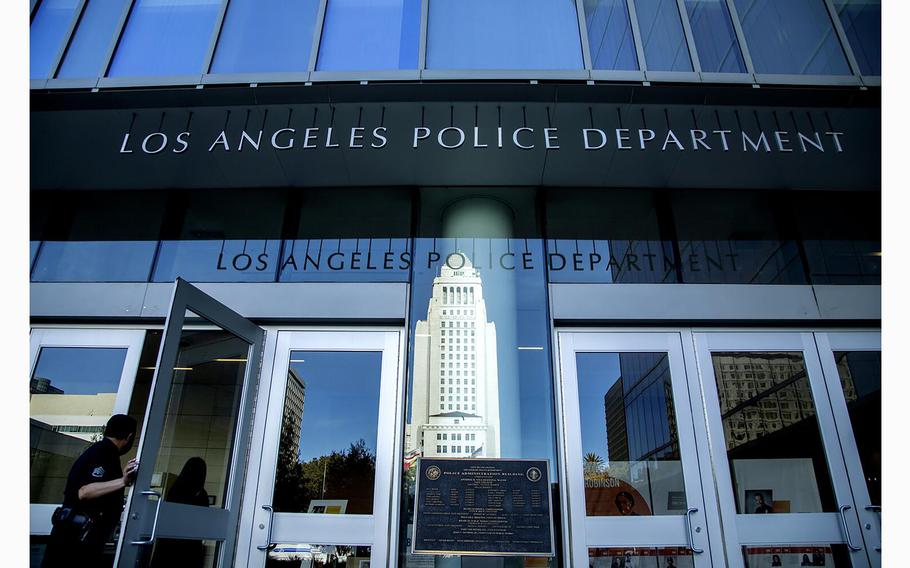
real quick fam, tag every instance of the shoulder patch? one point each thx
(98, 472)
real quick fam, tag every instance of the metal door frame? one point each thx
(259, 526)
(186, 521)
(77, 337)
(782, 529)
(585, 532)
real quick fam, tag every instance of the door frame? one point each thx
(579, 528)
(186, 297)
(801, 528)
(255, 522)
(131, 339)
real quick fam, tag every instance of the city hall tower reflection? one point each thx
(455, 410)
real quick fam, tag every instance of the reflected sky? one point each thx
(597, 373)
(341, 403)
(81, 370)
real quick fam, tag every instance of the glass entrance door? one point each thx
(783, 487)
(185, 503)
(327, 473)
(78, 379)
(634, 471)
(852, 365)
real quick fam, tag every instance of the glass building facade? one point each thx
(315, 247)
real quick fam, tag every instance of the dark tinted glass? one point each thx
(225, 236)
(367, 35)
(774, 445)
(841, 235)
(662, 35)
(91, 40)
(266, 35)
(46, 34)
(610, 35)
(734, 238)
(791, 37)
(606, 236)
(862, 22)
(715, 39)
(510, 34)
(96, 236)
(165, 37)
(861, 380)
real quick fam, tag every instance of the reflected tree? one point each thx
(347, 474)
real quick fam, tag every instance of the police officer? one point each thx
(93, 498)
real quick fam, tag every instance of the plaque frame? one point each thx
(551, 554)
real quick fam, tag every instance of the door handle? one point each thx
(843, 521)
(689, 511)
(875, 509)
(268, 545)
(149, 493)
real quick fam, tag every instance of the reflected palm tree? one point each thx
(593, 462)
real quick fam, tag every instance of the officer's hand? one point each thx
(129, 474)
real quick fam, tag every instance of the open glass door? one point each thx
(327, 471)
(782, 484)
(633, 468)
(185, 503)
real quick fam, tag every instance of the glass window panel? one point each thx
(91, 40)
(777, 459)
(662, 35)
(94, 261)
(504, 311)
(792, 556)
(327, 452)
(360, 35)
(792, 37)
(862, 22)
(841, 236)
(734, 239)
(318, 556)
(861, 380)
(346, 260)
(165, 37)
(610, 35)
(194, 456)
(265, 36)
(225, 236)
(604, 237)
(715, 39)
(509, 34)
(629, 557)
(218, 261)
(71, 397)
(632, 463)
(46, 34)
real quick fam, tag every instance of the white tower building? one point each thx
(455, 410)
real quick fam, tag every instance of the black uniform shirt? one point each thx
(100, 462)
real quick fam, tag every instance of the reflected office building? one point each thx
(455, 411)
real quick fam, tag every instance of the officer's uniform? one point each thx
(100, 462)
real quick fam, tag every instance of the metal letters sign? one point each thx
(493, 507)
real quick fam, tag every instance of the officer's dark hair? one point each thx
(120, 426)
